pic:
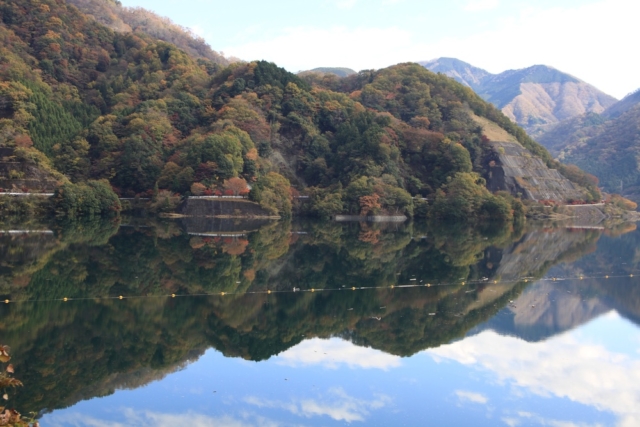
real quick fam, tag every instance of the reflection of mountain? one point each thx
(548, 308)
(545, 309)
(65, 352)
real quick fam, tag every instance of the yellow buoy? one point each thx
(392, 286)
(269, 291)
(606, 277)
(120, 297)
(6, 301)
(428, 285)
(313, 290)
(353, 289)
(173, 295)
(222, 293)
(65, 299)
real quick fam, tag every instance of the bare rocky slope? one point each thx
(536, 97)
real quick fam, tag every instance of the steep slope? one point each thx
(136, 19)
(534, 97)
(509, 166)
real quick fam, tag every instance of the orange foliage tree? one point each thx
(369, 204)
(236, 185)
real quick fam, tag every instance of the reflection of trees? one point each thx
(78, 349)
(24, 256)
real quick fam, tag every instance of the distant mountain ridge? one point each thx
(536, 97)
(606, 145)
(625, 104)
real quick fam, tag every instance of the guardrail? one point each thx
(13, 232)
(27, 194)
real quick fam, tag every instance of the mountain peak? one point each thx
(534, 97)
(461, 71)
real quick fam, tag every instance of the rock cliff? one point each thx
(508, 166)
(511, 167)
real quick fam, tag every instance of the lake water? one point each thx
(319, 324)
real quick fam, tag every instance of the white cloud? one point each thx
(336, 352)
(589, 41)
(469, 396)
(563, 367)
(511, 422)
(303, 48)
(345, 4)
(478, 5)
(338, 405)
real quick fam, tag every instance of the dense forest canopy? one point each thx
(147, 117)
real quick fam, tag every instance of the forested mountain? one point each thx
(138, 20)
(534, 97)
(146, 117)
(606, 145)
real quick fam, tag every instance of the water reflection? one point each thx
(68, 352)
(567, 366)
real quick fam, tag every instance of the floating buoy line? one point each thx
(413, 283)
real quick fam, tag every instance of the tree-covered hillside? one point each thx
(138, 20)
(149, 118)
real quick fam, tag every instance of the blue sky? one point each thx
(591, 39)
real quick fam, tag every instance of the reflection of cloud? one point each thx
(561, 367)
(540, 421)
(147, 418)
(469, 396)
(335, 352)
(339, 406)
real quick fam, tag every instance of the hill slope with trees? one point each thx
(150, 119)
(138, 20)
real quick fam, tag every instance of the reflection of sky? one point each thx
(586, 377)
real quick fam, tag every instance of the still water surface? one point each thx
(493, 340)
